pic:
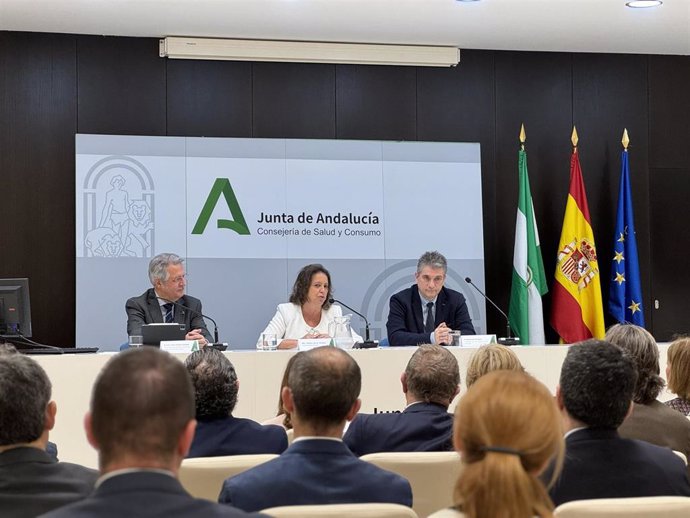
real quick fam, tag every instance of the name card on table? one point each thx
(477, 340)
(304, 344)
(180, 346)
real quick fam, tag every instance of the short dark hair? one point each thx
(25, 392)
(141, 402)
(641, 347)
(325, 382)
(300, 290)
(597, 383)
(215, 383)
(433, 374)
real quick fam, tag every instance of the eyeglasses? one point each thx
(178, 279)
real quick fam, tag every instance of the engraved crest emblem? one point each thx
(575, 261)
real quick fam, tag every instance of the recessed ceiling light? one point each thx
(640, 4)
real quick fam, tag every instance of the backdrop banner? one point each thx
(247, 214)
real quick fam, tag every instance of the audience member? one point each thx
(430, 382)
(678, 375)
(489, 358)
(651, 420)
(155, 305)
(427, 311)
(507, 429)
(51, 447)
(282, 418)
(218, 432)
(595, 394)
(32, 482)
(141, 421)
(321, 395)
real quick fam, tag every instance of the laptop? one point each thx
(154, 334)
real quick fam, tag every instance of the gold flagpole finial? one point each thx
(573, 137)
(625, 140)
(523, 136)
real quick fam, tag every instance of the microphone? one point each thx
(367, 343)
(216, 344)
(509, 339)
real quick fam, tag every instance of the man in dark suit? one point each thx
(218, 432)
(321, 394)
(595, 395)
(155, 305)
(141, 421)
(430, 382)
(32, 481)
(426, 312)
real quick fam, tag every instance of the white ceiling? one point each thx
(546, 25)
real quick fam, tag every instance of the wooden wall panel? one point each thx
(121, 86)
(38, 86)
(669, 111)
(294, 100)
(209, 98)
(376, 102)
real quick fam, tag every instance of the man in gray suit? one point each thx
(141, 421)
(32, 481)
(166, 301)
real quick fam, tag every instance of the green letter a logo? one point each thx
(238, 224)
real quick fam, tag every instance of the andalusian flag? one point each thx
(577, 311)
(625, 295)
(529, 280)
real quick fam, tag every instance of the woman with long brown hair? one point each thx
(507, 430)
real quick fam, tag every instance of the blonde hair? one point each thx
(678, 359)
(507, 428)
(490, 358)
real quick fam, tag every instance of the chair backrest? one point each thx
(343, 511)
(640, 507)
(681, 455)
(432, 475)
(203, 477)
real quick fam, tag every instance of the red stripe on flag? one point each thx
(577, 186)
(566, 316)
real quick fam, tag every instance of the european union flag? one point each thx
(625, 297)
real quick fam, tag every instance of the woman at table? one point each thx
(309, 311)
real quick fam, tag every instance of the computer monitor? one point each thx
(15, 307)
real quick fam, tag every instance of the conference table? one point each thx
(260, 374)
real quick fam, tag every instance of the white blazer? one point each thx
(288, 322)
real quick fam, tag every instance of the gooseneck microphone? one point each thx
(508, 339)
(215, 326)
(367, 343)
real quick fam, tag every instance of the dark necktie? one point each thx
(168, 313)
(429, 324)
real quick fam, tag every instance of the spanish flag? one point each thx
(577, 312)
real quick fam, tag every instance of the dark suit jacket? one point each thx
(601, 464)
(314, 471)
(236, 436)
(143, 494)
(405, 325)
(420, 427)
(32, 482)
(145, 309)
(660, 425)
